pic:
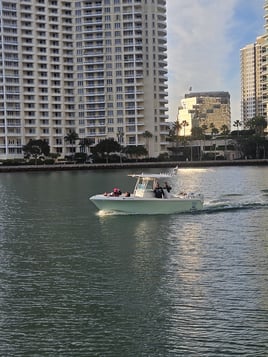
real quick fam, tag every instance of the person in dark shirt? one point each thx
(158, 191)
(167, 187)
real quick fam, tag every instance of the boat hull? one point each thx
(137, 205)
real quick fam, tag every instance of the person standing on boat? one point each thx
(158, 191)
(167, 187)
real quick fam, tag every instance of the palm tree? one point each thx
(197, 134)
(71, 138)
(175, 132)
(237, 124)
(184, 123)
(85, 143)
(225, 131)
(214, 131)
(120, 140)
(176, 127)
(204, 128)
(212, 127)
(147, 135)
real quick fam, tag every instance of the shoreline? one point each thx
(105, 166)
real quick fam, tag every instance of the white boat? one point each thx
(143, 200)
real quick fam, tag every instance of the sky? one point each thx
(204, 42)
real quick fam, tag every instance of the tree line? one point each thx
(250, 142)
(105, 150)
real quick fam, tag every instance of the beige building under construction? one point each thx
(205, 108)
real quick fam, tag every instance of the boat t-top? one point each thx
(152, 194)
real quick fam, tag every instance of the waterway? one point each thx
(74, 282)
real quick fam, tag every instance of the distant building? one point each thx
(205, 108)
(253, 79)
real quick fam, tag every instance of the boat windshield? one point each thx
(143, 184)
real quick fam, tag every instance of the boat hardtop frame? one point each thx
(146, 183)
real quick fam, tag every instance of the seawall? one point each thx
(104, 166)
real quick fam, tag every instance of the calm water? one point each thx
(77, 283)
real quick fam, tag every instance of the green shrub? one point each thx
(49, 161)
(13, 162)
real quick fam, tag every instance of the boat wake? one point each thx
(265, 193)
(234, 202)
(103, 213)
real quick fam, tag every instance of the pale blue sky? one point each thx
(204, 42)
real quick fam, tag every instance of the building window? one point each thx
(131, 140)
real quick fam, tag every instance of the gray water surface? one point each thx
(74, 282)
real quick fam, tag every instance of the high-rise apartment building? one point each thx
(96, 67)
(253, 79)
(205, 108)
(38, 84)
(264, 74)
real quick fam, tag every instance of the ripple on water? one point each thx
(75, 283)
